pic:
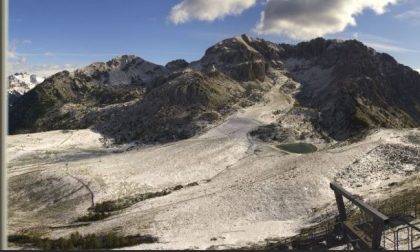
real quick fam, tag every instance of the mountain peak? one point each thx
(123, 60)
(122, 70)
(177, 65)
(243, 40)
(235, 57)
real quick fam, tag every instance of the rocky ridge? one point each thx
(340, 88)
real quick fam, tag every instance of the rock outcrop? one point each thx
(353, 87)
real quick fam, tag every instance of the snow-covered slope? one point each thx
(20, 83)
(241, 191)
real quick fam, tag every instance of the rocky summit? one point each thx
(342, 88)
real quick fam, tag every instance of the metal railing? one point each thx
(329, 233)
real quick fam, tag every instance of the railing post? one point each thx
(341, 207)
(378, 226)
(379, 219)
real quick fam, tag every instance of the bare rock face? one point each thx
(235, 58)
(353, 87)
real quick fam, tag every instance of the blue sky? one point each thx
(50, 35)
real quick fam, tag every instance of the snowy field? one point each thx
(243, 192)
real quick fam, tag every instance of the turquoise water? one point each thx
(301, 148)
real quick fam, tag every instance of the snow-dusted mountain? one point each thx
(344, 89)
(20, 83)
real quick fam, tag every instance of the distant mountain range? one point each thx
(348, 86)
(20, 83)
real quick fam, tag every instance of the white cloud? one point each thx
(413, 16)
(18, 62)
(410, 14)
(382, 44)
(14, 59)
(418, 70)
(208, 10)
(11, 54)
(307, 19)
(372, 37)
(388, 47)
(49, 54)
(21, 62)
(43, 70)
